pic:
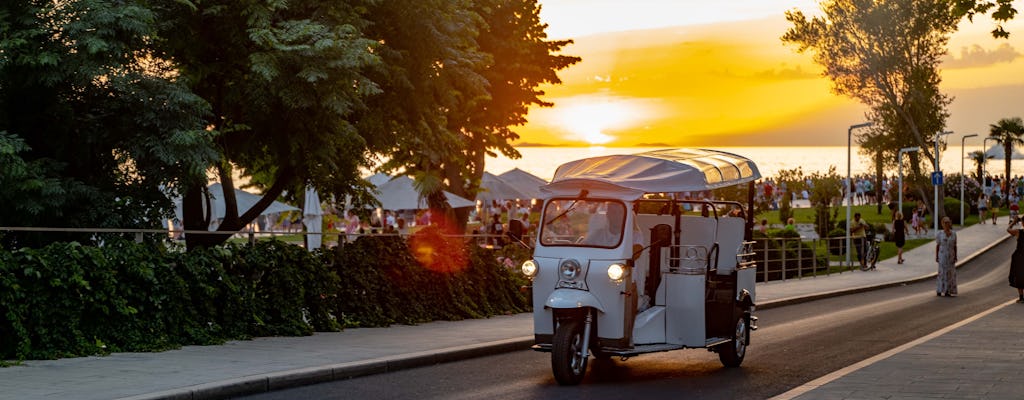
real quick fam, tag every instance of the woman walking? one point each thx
(945, 255)
(1017, 260)
(900, 230)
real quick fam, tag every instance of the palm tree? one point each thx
(978, 157)
(1008, 132)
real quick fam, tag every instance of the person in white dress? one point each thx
(945, 255)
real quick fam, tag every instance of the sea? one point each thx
(542, 161)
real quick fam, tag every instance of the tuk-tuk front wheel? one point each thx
(568, 357)
(731, 353)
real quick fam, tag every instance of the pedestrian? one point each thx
(993, 208)
(763, 228)
(915, 222)
(945, 255)
(982, 207)
(790, 225)
(899, 233)
(858, 230)
(496, 230)
(1017, 260)
(351, 224)
(1014, 210)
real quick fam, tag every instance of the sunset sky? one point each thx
(698, 73)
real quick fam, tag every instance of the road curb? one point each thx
(312, 375)
(269, 382)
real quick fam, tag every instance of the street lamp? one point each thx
(984, 159)
(849, 188)
(963, 177)
(935, 211)
(899, 160)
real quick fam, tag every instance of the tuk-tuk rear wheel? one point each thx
(731, 354)
(568, 357)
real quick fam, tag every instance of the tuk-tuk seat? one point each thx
(730, 238)
(697, 235)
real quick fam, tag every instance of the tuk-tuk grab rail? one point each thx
(693, 260)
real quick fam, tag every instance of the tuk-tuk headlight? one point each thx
(529, 268)
(616, 272)
(569, 270)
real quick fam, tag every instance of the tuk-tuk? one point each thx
(631, 259)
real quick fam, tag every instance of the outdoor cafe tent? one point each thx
(526, 183)
(494, 188)
(399, 194)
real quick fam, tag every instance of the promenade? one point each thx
(263, 364)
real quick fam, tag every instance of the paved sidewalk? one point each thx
(262, 364)
(982, 358)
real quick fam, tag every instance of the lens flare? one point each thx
(437, 248)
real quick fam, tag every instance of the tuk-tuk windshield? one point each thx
(583, 222)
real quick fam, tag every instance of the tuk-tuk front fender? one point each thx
(572, 298)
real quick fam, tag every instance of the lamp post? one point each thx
(962, 176)
(935, 211)
(899, 160)
(849, 188)
(984, 158)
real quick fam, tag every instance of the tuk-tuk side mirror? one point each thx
(515, 230)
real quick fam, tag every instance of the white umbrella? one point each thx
(399, 194)
(493, 188)
(379, 179)
(525, 182)
(313, 218)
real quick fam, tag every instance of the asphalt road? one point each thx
(795, 344)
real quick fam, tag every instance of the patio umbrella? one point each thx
(493, 188)
(379, 179)
(527, 183)
(399, 194)
(313, 218)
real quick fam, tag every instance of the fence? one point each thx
(796, 258)
(776, 258)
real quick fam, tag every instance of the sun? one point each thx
(591, 119)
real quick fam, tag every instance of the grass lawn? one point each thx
(868, 212)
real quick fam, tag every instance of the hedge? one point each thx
(68, 300)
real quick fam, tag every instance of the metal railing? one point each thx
(776, 258)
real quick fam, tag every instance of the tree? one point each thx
(885, 54)
(826, 188)
(98, 126)
(1008, 132)
(284, 80)
(1002, 11)
(504, 58)
(979, 158)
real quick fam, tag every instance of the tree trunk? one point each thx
(192, 212)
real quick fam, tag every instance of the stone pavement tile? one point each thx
(983, 359)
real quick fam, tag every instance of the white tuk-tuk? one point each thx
(630, 260)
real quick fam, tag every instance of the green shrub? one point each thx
(951, 207)
(68, 300)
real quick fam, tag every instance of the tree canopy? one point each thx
(282, 94)
(887, 54)
(1008, 132)
(97, 125)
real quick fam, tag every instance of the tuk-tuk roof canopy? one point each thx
(660, 171)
